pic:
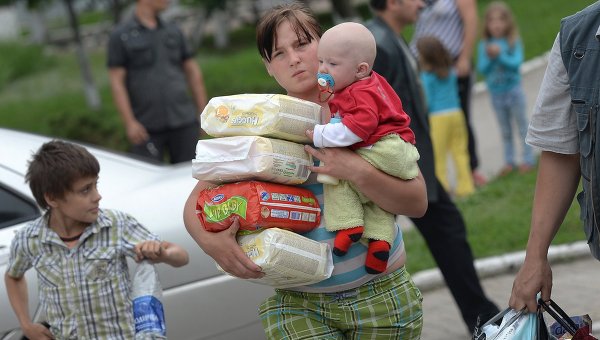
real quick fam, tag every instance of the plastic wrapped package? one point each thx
(287, 259)
(240, 158)
(270, 115)
(258, 205)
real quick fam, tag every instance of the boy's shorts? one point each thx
(389, 307)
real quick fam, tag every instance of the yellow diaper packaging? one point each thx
(287, 259)
(241, 158)
(269, 115)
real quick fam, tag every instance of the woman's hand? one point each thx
(224, 249)
(221, 246)
(463, 67)
(340, 163)
(392, 194)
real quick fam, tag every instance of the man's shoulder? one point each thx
(124, 26)
(385, 38)
(578, 16)
(377, 27)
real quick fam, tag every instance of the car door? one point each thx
(16, 209)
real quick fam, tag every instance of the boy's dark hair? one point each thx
(434, 56)
(56, 166)
(298, 15)
(378, 5)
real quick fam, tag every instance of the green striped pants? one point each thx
(389, 307)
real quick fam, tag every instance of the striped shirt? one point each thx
(441, 19)
(84, 290)
(349, 270)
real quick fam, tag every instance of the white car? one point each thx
(199, 301)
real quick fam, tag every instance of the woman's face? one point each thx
(294, 63)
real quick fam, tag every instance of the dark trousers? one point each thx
(443, 228)
(464, 93)
(180, 143)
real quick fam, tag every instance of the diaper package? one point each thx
(286, 258)
(271, 115)
(258, 205)
(239, 158)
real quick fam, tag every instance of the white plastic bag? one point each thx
(242, 158)
(516, 325)
(148, 312)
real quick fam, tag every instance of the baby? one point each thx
(371, 122)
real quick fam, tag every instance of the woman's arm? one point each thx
(468, 13)
(221, 246)
(395, 195)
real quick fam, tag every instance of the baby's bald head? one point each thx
(352, 39)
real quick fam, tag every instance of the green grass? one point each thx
(18, 60)
(498, 219)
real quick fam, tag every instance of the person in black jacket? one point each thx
(442, 226)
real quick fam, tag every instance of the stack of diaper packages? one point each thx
(257, 158)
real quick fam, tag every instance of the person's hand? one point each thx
(463, 67)
(224, 249)
(310, 134)
(151, 250)
(136, 133)
(341, 163)
(492, 50)
(36, 331)
(533, 277)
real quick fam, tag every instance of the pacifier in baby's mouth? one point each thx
(326, 84)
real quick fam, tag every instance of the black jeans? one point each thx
(179, 142)
(464, 93)
(444, 231)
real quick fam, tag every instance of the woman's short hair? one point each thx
(299, 16)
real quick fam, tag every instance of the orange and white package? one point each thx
(258, 205)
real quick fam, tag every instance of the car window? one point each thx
(15, 208)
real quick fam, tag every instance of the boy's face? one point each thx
(79, 206)
(337, 61)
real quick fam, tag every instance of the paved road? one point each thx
(576, 289)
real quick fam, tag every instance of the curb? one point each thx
(431, 279)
